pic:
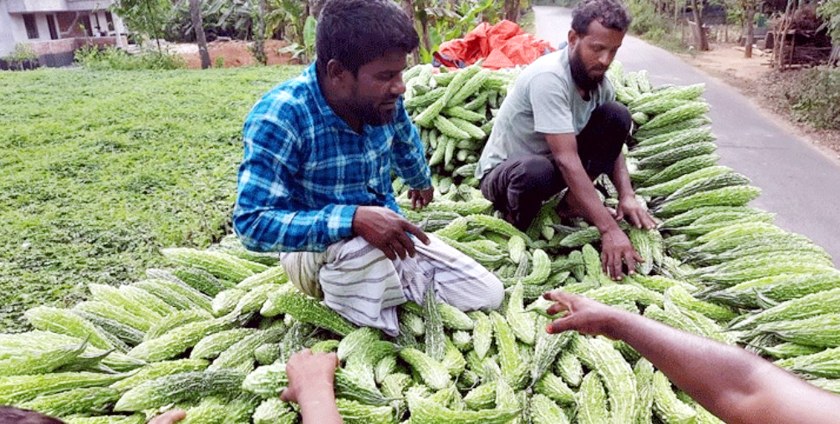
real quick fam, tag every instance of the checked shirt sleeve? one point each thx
(407, 152)
(265, 216)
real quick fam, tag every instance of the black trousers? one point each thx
(519, 185)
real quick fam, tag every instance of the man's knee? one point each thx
(618, 116)
(532, 172)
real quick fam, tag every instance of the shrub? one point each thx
(816, 99)
(112, 58)
(645, 18)
(22, 57)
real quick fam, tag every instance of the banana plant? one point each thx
(450, 21)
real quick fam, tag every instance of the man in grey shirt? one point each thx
(561, 127)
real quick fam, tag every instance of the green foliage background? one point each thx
(101, 169)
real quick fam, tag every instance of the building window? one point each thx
(96, 26)
(31, 26)
(53, 27)
(87, 24)
(110, 20)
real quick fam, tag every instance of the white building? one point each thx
(56, 28)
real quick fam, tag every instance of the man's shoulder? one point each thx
(548, 63)
(548, 69)
(290, 94)
(289, 101)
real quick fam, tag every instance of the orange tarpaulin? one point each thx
(503, 45)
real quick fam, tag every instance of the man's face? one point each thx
(377, 86)
(592, 54)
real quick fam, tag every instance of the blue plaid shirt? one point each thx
(305, 171)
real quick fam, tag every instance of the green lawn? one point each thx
(98, 170)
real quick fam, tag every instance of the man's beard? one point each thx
(581, 76)
(372, 115)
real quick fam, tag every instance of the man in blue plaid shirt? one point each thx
(315, 182)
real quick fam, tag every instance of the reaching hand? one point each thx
(421, 197)
(584, 315)
(630, 209)
(169, 417)
(386, 230)
(310, 376)
(616, 250)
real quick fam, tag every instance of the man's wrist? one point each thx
(608, 227)
(314, 394)
(614, 324)
(629, 195)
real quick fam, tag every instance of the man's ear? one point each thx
(336, 72)
(573, 38)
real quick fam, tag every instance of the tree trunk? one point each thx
(200, 38)
(315, 7)
(750, 37)
(423, 19)
(676, 14)
(156, 32)
(259, 34)
(408, 7)
(699, 33)
(512, 10)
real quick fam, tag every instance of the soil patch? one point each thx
(755, 79)
(234, 53)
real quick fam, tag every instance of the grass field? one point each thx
(98, 170)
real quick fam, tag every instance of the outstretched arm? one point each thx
(735, 385)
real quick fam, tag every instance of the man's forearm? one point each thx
(712, 373)
(621, 178)
(284, 230)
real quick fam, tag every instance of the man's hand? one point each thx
(386, 230)
(616, 250)
(311, 377)
(170, 417)
(420, 197)
(583, 315)
(630, 209)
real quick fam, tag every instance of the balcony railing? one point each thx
(50, 6)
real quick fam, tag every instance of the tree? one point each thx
(145, 17)
(258, 49)
(198, 28)
(512, 10)
(408, 7)
(749, 7)
(830, 11)
(699, 32)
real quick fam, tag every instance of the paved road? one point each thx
(799, 183)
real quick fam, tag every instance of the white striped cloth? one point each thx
(359, 282)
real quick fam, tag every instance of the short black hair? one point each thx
(610, 13)
(356, 32)
(11, 415)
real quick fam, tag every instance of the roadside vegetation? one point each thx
(102, 169)
(809, 93)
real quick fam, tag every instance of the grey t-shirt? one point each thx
(544, 100)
